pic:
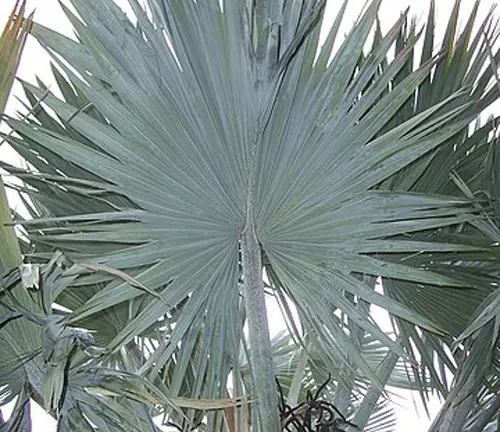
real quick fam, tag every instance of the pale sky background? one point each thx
(412, 417)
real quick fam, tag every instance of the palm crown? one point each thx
(204, 141)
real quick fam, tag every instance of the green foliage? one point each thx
(191, 122)
(18, 339)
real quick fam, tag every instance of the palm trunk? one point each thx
(264, 390)
(453, 414)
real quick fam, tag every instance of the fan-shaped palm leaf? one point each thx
(457, 168)
(202, 131)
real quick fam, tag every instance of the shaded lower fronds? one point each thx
(313, 415)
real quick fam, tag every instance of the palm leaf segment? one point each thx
(173, 123)
(461, 167)
(21, 338)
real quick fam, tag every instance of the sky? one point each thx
(35, 62)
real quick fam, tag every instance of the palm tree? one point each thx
(197, 144)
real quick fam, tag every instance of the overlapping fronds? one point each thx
(461, 167)
(178, 120)
(19, 377)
